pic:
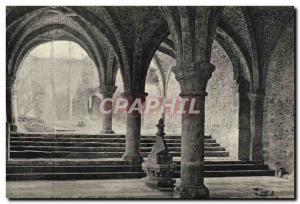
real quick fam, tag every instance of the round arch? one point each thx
(39, 31)
(45, 38)
(65, 79)
(24, 34)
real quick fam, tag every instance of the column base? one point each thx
(133, 159)
(191, 192)
(107, 131)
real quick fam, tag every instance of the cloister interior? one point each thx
(238, 62)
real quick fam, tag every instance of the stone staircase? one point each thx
(76, 156)
(28, 146)
(116, 169)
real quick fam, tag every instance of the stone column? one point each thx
(14, 107)
(244, 127)
(256, 120)
(133, 129)
(193, 84)
(11, 98)
(107, 92)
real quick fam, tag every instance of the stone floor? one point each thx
(220, 188)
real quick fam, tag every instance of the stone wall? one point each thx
(278, 131)
(221, 107)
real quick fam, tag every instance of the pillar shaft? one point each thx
(192, 145)
(133, 129)
(256, 120)
(193, 33)
(107, 92)
(107, 118)
(133, 135)
(14, 105)
(193, 84)
(11, 98)
(244, 127)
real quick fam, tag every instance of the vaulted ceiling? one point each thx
(133, 35)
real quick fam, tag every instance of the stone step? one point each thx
(94, 144)
(68, 135)
(97, 149)
(101, 162)
(235, 173)
(74, 176)
(121, 168)
(121, 175)
(72, 169)
(68, 154)
(68, 144)
(100, 140)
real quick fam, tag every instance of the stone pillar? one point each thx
(193, 84)
(133, 129)
(14, 107)
(11, 98)
(244, 127)
(256, 122)
(107, 92)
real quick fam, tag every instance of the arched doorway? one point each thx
(54, 85)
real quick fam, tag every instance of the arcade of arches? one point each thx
(237, 61)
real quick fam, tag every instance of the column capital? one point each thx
(107, 90)
(193, 77)
(200, 70)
